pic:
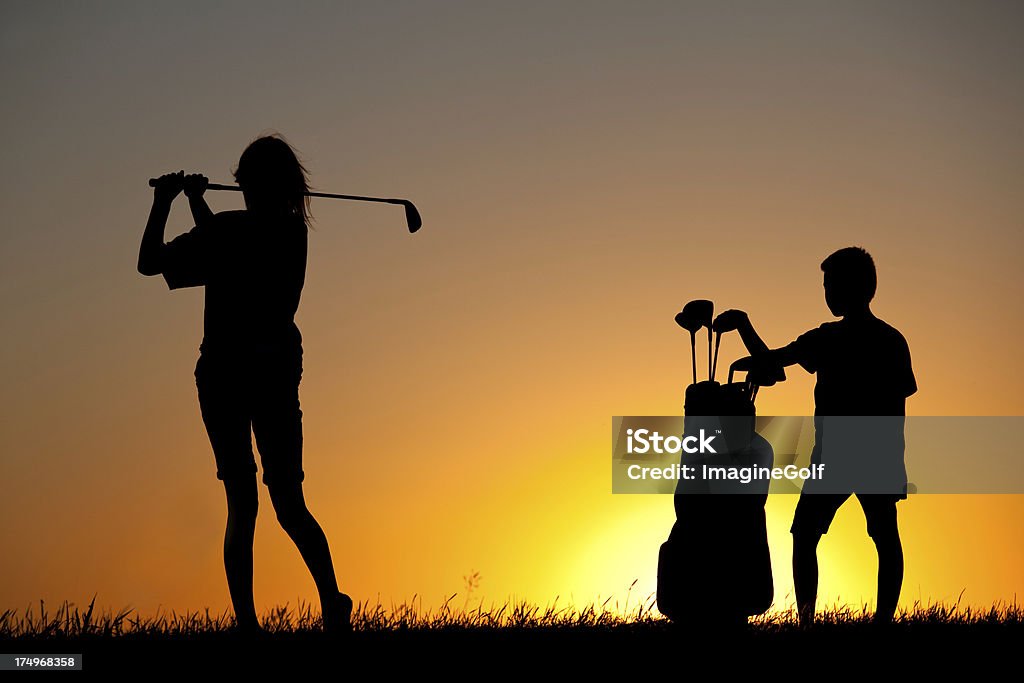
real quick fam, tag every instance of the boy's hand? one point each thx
(762, 369)
(195, 185)
(768, 379)
(730, 320)
(168, 186)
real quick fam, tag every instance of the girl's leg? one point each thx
(277, 426)
(243, 502)
(222, 399)
(300, 525)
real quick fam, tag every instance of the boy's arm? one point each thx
(808, 350)
(784, 356)
(766, 368)
(763, 362)
(739, 320)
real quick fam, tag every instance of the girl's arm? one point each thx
(194, 186)
(166, 189)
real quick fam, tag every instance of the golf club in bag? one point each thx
(695, 315)
(412, 215)
(715, 567)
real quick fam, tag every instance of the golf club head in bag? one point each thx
(727, 321)
(695, 315)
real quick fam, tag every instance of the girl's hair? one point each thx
(272, 178)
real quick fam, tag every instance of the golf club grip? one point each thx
(358, 198)
(732, 369)
(209, 186)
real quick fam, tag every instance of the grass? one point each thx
(69, 621)
(514, 632)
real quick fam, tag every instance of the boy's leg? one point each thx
(813, 516)
(880, 511)
(805, 573)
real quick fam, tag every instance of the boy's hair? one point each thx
(855, 268)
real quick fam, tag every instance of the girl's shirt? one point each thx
(253, 269)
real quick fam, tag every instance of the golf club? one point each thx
(695, 315)
(690, 326)
(724, 322)
(412, 216)
(749, 386)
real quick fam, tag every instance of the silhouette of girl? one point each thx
(253, 265)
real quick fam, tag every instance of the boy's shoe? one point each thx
(337, 616)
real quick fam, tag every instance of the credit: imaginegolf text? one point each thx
(743, 475)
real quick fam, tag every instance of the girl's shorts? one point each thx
(240, 399)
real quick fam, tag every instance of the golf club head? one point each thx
(700, 312)
(412, 217)
(695, 315)
(727, 321)
(687, 322)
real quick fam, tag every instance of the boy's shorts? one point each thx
(239, 400)
(815, 512)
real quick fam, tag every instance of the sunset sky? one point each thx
(583, 169)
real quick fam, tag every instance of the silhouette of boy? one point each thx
(863, 369)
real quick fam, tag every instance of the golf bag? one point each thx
(715, 566)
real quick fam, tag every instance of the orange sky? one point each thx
(582, 171)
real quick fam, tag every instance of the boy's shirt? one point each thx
(863, 368)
